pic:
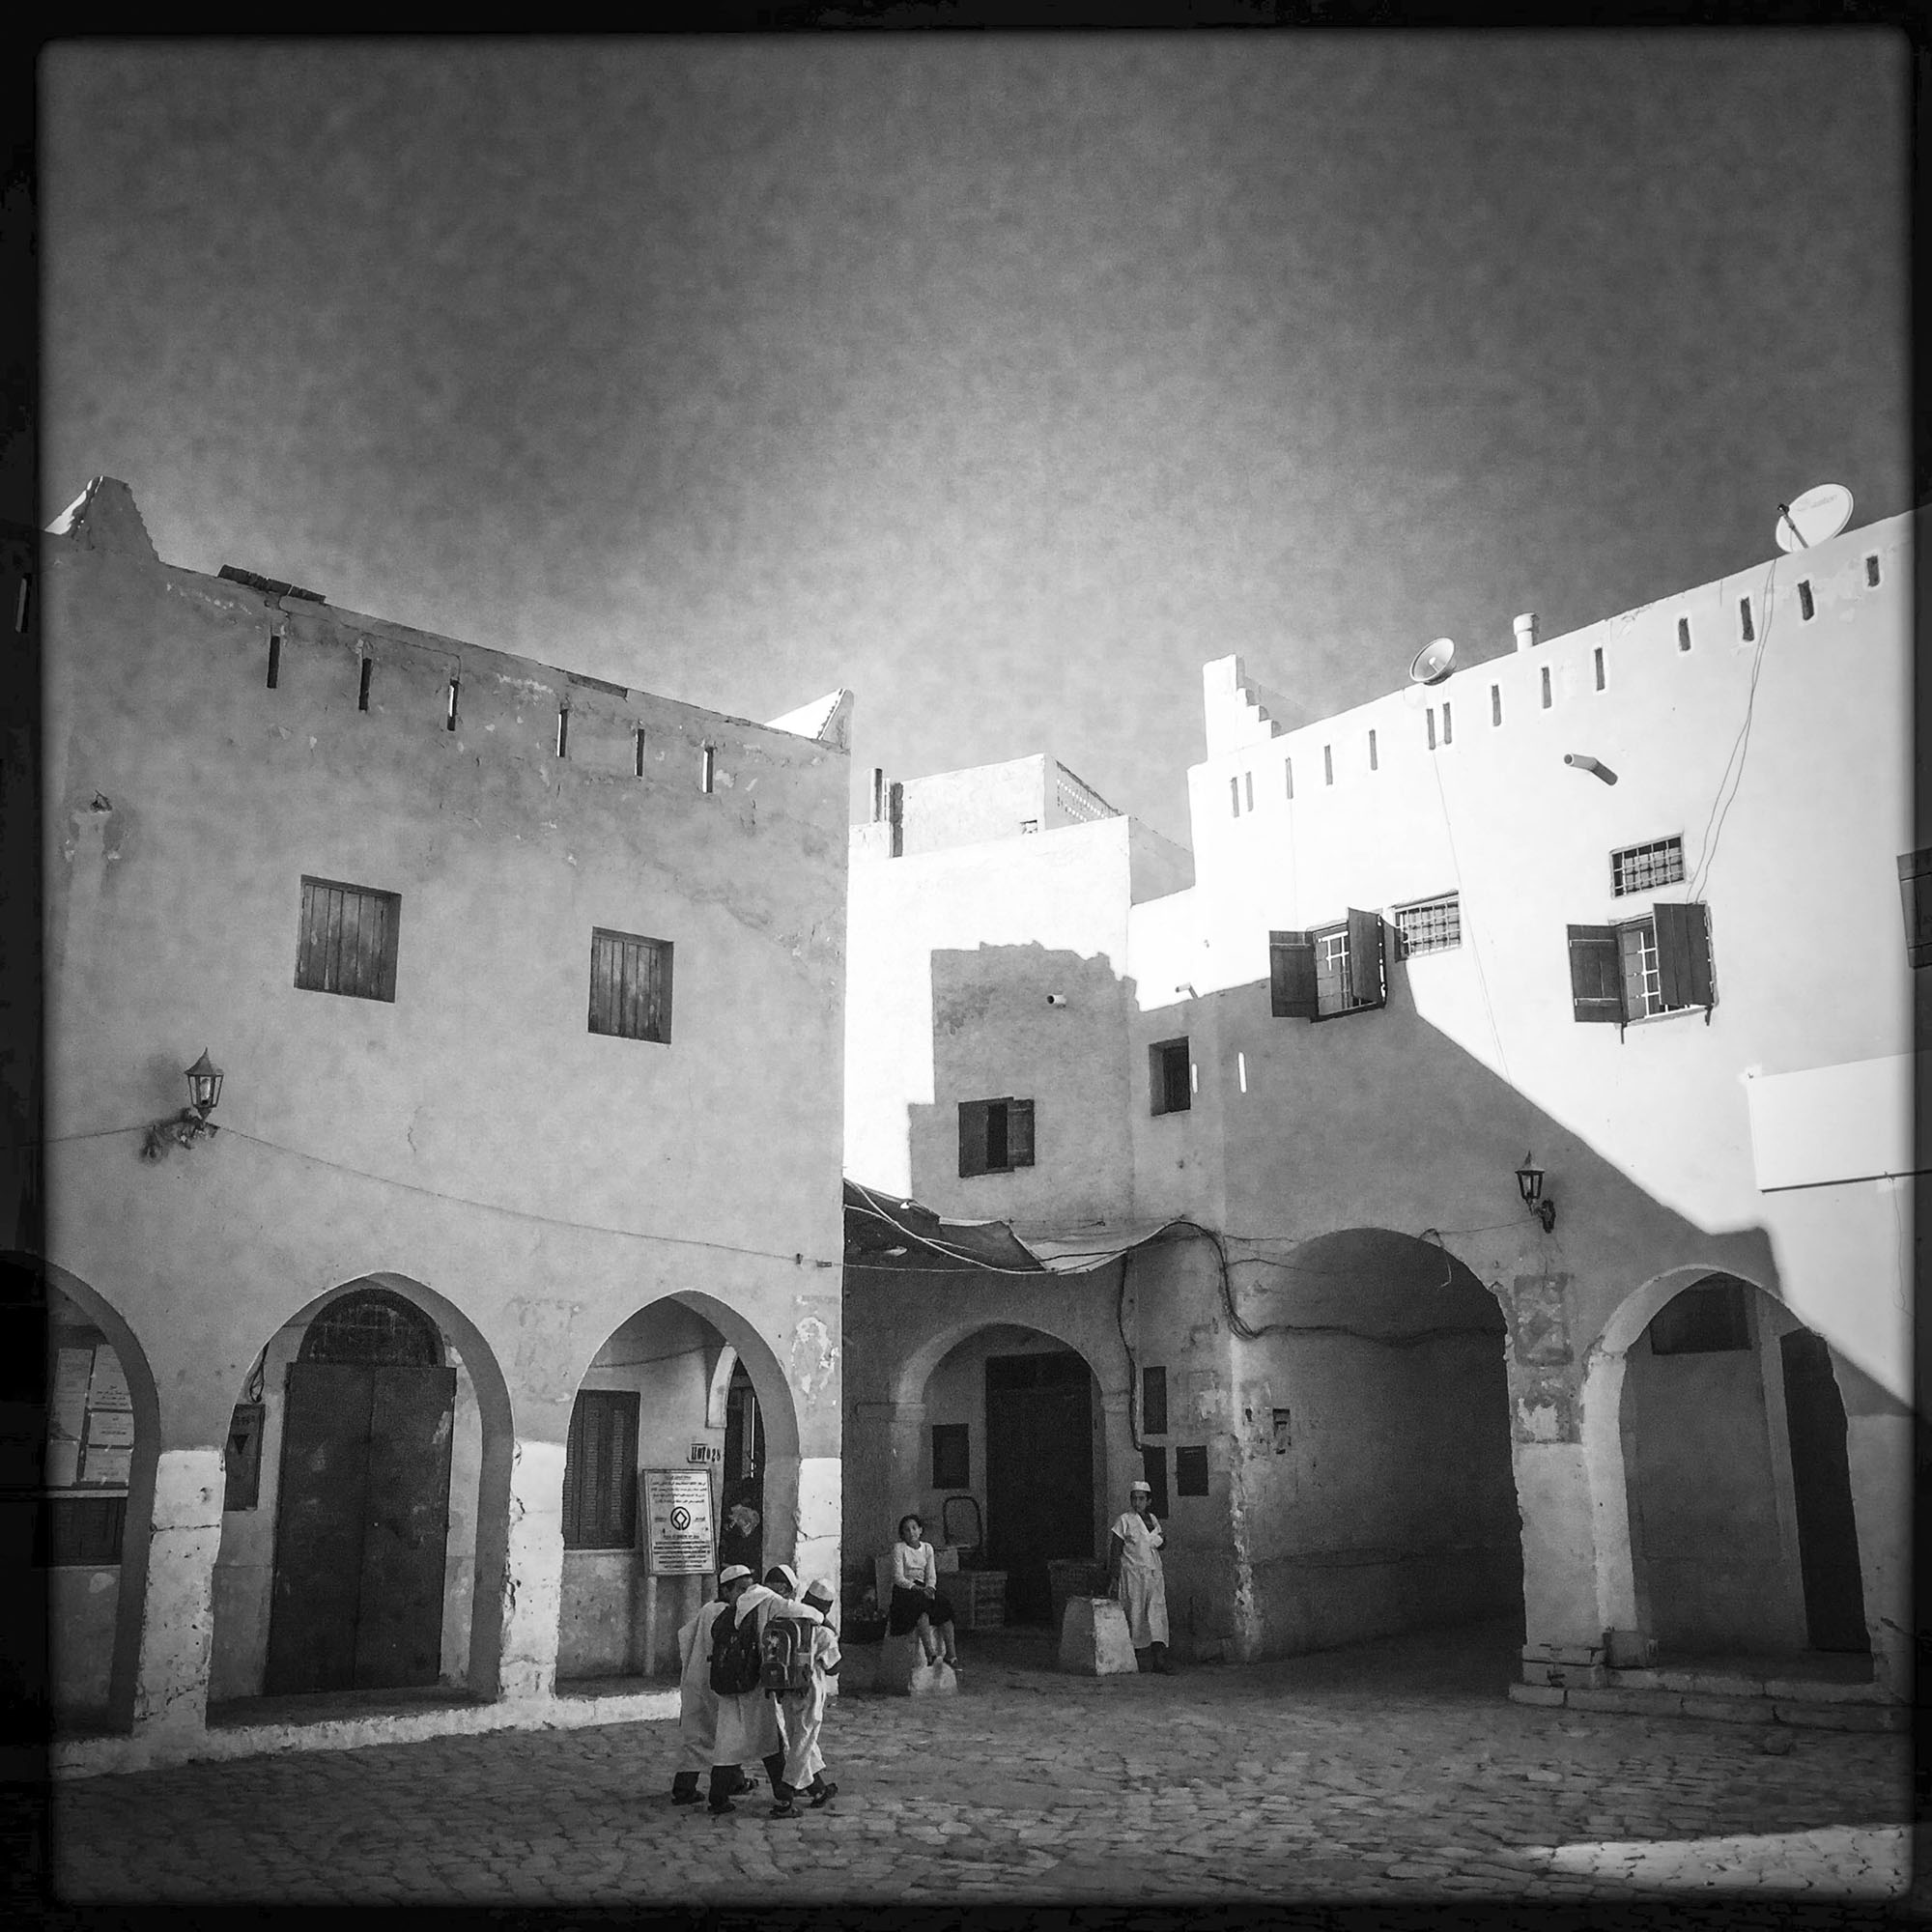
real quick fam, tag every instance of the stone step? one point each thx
(1805, 1713)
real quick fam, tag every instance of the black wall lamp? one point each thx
(1529, 1184)
(184, 1129)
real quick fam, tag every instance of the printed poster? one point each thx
(677, 1523)
(110, 1385)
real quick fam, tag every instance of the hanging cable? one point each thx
(1740, 749)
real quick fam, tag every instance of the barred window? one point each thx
(347, 941)
(1637, 869)
(1433, 926)
(600, 1471)
(630, 986)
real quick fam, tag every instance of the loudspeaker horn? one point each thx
(1432, 662)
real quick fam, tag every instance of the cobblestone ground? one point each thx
(1394, 1771)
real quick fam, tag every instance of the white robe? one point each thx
(805, 1712)
(1143, 1586)
(749, 1726)
(697, 1702)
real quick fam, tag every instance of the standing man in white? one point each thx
(1134, 1573)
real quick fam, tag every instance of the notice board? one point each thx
(679, 1534)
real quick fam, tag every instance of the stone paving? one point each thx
(1395, 1770)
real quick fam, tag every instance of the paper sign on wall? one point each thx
(106, 1466)
(677, 1523)
(110, 1385)
(110, 1429)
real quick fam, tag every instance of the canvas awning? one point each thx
(884, 1229)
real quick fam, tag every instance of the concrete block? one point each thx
(1842, 1716)
(1537, 1673)
(1727, 1710)
(1808, 1691)
(1629, 1703)
(1536, 1693)
(1093, 1638)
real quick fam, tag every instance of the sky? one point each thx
(1007, 380)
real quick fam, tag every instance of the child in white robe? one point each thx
(805, 1714)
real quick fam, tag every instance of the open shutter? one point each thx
(1595, 978)
(1291, 975)
(1019, 1133)
(972, 1137)
(1915, 890)
(1683, 955)
(1365, 959)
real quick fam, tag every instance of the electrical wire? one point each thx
(1740, 750)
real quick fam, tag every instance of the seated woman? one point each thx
(917, 1605)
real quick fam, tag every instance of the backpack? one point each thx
(787, 1654)
(735, 1654)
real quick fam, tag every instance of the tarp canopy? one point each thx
(884, 1229)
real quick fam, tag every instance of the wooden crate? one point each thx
(978, 1597)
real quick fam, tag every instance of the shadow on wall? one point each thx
(1044, 1029)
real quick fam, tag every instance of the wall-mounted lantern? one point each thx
(1529, 1184)
(204, 1093)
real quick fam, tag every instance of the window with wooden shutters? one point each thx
(1291, 975)
(630, 986)
(995, 1136)
(1915, 890)
(1349, 973)
(347, 941)
(1169, 1083)
(600, 1471)
(1643, 968)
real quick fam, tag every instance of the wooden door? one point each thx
(1039, 1472)
(1827, 1537)
(362, 1527)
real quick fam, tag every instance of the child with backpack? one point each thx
(748, 1721)
(807, 1667)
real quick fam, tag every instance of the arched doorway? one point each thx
(681, 1389)
(86, 1534)
(1742, 1534)
(1013, 1466)
(1379, 1488)
(360, 1571)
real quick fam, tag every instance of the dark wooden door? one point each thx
(362, 1527)
(1827, 1537)
(1039, 1472)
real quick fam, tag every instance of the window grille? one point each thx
(1433, 926)
(630, 986)
(1638, 868)
(347, 942)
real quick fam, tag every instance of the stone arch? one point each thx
(1605, 1426)
(908, 1387)
(1393, 1353)
(483, 1456)
(137, 1539)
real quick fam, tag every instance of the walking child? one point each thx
(803, 1715)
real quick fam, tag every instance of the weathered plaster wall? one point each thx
(535, 1182)
(970, 808)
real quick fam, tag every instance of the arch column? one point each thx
(177, 1621)
(532, 1589)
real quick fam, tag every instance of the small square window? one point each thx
(630, 986)
(952, 1460)
(1640, 868)
(1433, 926)
(1190, 1472)
(1168, 1077)
(995, 1136)
(347, 940)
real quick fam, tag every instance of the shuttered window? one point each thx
(1291, 975)
(952, 1459)
(1348, 970)
(630, 986)
(1190, 1472)
(995, 1136)
(1643, 968)
(347, 942)
(1153, 1402)
(1915, 890)
(600, 1471)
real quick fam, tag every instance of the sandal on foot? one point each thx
(785, 1809)
(824, 1794)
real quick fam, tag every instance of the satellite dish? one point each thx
(1813, 517)
(1432, 663)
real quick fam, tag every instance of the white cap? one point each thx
(733, 1572)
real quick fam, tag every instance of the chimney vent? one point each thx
(1526, 631)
